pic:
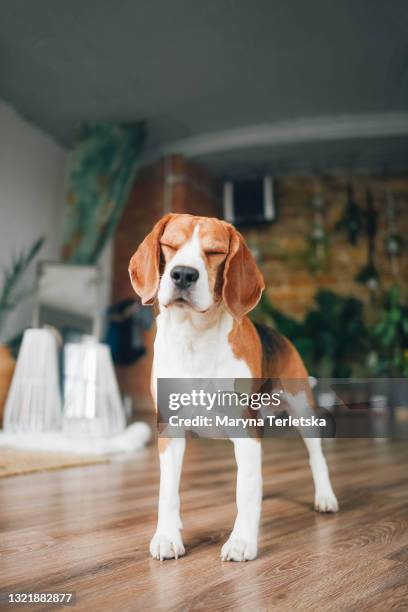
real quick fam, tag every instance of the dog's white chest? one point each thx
(184, 351)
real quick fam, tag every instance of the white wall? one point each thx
(32, 177)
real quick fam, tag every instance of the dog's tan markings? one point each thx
(144, 267)
(243, 282)
(175, 237)
(246, 345)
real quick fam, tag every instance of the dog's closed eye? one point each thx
(168, 246)
(214, 253)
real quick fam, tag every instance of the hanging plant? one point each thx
(317, 253)
(352, 219)
(394, 242)
(369, 275)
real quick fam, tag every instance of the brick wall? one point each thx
(281, 246)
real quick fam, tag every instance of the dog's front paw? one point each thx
(166, 546)
(238, 549)
(326, 502)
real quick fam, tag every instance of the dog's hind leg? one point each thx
(298, 405)
(325, 499)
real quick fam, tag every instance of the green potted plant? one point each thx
(389, 338)
(331, 338)
(12, 293)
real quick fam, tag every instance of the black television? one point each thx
(249, 201)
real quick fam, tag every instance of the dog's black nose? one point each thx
(183, 276)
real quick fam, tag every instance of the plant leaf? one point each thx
(13, 276)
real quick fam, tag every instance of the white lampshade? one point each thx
(92, 402)
(34, 401)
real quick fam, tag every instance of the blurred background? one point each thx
(289, 119)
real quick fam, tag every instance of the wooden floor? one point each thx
(87, 530)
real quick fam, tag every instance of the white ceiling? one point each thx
(208, 73)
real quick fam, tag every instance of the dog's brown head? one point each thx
(196, 262)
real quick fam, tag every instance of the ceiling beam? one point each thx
(298, 131)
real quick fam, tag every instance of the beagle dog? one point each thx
(205, 281)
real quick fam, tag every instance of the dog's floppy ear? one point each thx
(243, 282)
(144, 267)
